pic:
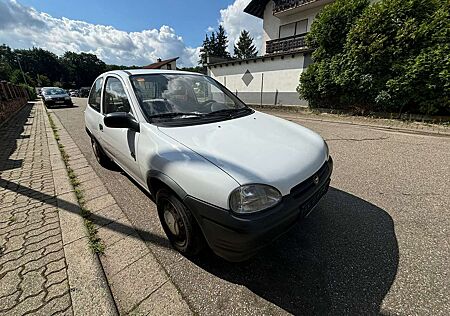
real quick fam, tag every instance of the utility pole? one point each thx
(20, 66)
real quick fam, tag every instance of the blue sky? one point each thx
(131, 32)
(190, 18)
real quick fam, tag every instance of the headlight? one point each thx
(253, 198)
(327, 150)
(67, 98)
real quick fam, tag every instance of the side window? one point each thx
(115, 99)
(95, 95)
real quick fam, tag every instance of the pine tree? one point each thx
(244, 47)
(221, 44)
(205, 50)
(215, 45)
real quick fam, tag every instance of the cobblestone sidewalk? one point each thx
(33, 271)
(46, 267)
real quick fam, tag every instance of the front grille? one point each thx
(303, 187)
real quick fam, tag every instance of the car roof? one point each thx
(131, 72)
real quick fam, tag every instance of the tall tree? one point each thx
(215, 45)
(205, 50)
(82, 68)
(221, 44)
(244, 47)
(37, 61)
(6, 67)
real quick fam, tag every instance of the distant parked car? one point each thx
(74, 94)
(54, 96)
(84, 92)
(219, 171)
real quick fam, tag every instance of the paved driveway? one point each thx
(379, 241)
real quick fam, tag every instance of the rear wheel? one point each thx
(178, 223)
(99, 154)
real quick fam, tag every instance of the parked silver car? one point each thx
(54, 96)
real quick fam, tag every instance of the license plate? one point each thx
(309, 205)
(59, 102)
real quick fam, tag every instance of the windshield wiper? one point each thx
(175, 114)
(228, 111)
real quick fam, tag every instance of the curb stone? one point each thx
(139, 283)
(392, 128)
(89, 289)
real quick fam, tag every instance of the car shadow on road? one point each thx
(342, 259)
(62, 107)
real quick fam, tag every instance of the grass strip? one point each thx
(94, 241)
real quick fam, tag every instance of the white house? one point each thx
(273, 77)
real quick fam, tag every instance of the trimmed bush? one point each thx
(395, 59)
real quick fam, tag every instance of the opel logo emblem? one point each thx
(316, 179)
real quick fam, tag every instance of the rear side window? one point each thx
(95, 94)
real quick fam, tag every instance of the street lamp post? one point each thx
(20, 66)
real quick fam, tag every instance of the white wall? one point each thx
(279, 78)
(173, 65)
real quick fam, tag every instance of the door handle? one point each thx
(100, 126)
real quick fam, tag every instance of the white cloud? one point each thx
(210, 29)
(234, 20)
(23, 27)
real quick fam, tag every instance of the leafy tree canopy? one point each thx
(394, 57)
(43, 68)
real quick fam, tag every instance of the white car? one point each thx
(219, 171)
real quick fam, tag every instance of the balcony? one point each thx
(286, 45)
(287, 7)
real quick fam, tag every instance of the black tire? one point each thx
(99, 154)
(189, 240)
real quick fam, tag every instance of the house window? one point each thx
(301, 27)
(287, 30)
(294, 28)
(169, 66)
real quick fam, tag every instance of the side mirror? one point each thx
(121, 120)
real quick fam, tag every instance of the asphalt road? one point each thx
(377, 243)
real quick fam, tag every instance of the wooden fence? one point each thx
(12, 98)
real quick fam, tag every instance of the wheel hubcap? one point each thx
(174, 223)
(171, 222)
(94, 147)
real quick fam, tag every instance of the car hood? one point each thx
(257, 148)
(56, 96)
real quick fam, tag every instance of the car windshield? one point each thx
(54, 91)
(178, 96)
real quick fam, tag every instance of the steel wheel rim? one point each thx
(95, 149)
(174, 224)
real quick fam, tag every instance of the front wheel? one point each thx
(99, 154)
(179, 224)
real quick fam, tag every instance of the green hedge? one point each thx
(392, 56)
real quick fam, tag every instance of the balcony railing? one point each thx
(283, 5)
(286, 45)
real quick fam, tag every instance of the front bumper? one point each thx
(53, 102)
(238, 237)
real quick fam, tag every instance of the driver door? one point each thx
(120, 143)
